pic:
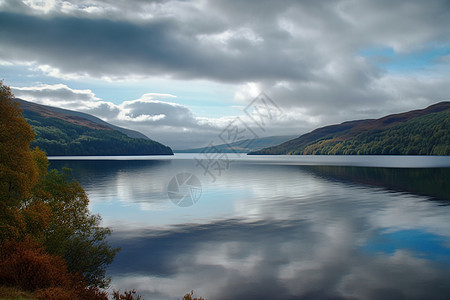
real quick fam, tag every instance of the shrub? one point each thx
(25, 264)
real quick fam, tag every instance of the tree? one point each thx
(74, 233)
(18, 172)
(46, 206)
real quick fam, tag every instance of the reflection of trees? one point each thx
(428, 182)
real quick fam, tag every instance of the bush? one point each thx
(26, 265)
(59, 293)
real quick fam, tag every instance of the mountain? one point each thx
(418, 132)
(242, 146)
(66, 132)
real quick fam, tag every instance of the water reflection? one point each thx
(290, 259)
(277, 231)
(432, 182)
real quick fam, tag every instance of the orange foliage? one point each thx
(18, 172)
(56, 293)
(190, 296)
(26, 265)
(37, 216)
(12, 224)
(41, 161)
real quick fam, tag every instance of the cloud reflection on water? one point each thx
(287, 232)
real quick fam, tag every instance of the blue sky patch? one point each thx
(392, 61)
(423, 244)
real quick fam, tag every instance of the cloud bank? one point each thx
(322, 61)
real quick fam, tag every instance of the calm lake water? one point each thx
(263, 227)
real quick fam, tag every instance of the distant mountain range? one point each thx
(242, 146)
(418, 132)
(66, 132)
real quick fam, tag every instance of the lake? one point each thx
(263, 227)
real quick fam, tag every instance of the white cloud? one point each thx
(143, 118)
(40, 5)
(167, 122)
(46, 93)
(50, 71)
(305, 55)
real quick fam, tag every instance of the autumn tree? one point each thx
(18, 172)
(46, 206)
(74, 233)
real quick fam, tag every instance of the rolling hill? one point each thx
(242, 146)
(65, 132)
(418, 132)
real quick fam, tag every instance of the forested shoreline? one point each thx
(414, 133)
(59, 137)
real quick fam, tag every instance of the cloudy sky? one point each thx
(182, 71)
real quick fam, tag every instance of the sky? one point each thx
(188, 73)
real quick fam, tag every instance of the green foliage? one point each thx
(427, 134)
(74, 233)
(59, 137)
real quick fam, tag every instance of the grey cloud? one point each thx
(403, 25)
(105, 110)
(313, 46)
(82, 45)
(174, 114)
(317, 33)
(101, 47)
(172, 124)
(337, 100)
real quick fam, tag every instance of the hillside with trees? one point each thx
(418, 132)
(50, 244)
(63, 132)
